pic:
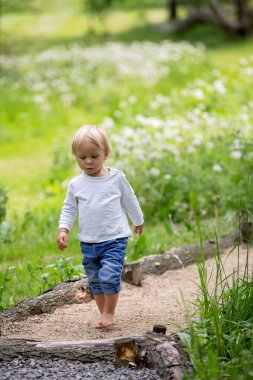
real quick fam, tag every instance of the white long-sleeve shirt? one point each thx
(101, 203)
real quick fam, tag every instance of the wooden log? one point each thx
(164, 353)
(168, 358)
(132, 273)
(181, 257)
(126, 351)
(87, 351)
(47, 302)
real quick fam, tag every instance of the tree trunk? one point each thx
(229, 26)
(244, 16)
(172, 9)
(215, 15)
(197, 17)
(244, 23)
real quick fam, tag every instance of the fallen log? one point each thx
(180, 257)
(164, 353)
(61, 294)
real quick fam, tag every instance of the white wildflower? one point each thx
(153, 105)
(210, 145)
(248, 71)
(128, 132)
(191, 149)
(155, 171)
(123, 104)
(237, 154)
(172, 149)
(132, 99)
(167, 177)
(107, 123)
(178, 139)
(198, 94)
(217, 168)
(243, 117)
(197, 139)
(117, 113)
(219, 86)
(39, 99)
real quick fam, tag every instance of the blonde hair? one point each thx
(93, 132)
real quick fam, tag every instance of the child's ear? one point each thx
(107, 153)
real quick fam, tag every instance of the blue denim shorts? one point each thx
(103, 263)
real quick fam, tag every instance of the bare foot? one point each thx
(96, 325)
(105, 321)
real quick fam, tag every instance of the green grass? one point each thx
(220, 340)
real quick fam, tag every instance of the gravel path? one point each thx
(59, 369)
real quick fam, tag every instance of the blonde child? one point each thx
(100, 195)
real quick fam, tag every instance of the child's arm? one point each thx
(131, 205)
(67, 218)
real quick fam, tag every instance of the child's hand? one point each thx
(138, 229)
(62, 240)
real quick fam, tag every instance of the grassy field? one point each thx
(178, 110)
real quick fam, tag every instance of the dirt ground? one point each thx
(160, 300)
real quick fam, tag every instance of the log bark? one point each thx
(164, 353)
(181, 257)
(61, 294)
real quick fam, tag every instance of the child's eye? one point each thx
(94, 156)
(82, 158)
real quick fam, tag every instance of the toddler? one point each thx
(100, 195)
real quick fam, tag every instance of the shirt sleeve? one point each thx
(69, 209)
(130, 203)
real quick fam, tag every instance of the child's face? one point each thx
(90, 159)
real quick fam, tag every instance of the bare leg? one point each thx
(100, 301)
(109, 309)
